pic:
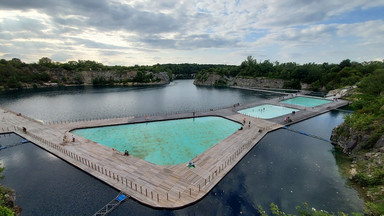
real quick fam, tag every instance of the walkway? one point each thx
(158, 186)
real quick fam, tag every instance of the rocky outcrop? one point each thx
(118, 77)
(210, 80)
(339, 93)
(217, 80)
(260, 82)
(350, 140)
(8, 198)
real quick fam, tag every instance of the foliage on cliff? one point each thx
(303, 210)
(5, 204)
(366, 168)
(368, 102)
(330, 76)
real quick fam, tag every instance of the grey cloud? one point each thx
(61, 57)
(93, 44)
(101, 15)
(24, 49)
(130, 19)
(157, 42)
(23, 24)
(189, 42)
(301, 12)
(25, 4)
(32, 45)
(207, 41)
(112, 53)
(316, 33)
(15, 55)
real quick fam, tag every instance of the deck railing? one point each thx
(129, 185)
(143, 115)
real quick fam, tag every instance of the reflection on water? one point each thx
(73, 103)
(285, 168)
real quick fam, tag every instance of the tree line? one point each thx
(325, 76)
(14, 73)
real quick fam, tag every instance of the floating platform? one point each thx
(109, 207)
(154, 185)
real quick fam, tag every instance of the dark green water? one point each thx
(285, 168)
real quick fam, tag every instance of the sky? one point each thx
(147, 32)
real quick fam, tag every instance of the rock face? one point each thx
(339, 93)
(217, 80)
(210, 80)
(87, 77)
(258, 82)
(351, 141)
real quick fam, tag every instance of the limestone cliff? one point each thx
(217, 80)
(350, 140)
(65, 77)
(339, 93)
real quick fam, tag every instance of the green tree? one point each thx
(45, 61)
(13, 82)
(78, 79)
(4, 211)
(345, 63)
(374, 83)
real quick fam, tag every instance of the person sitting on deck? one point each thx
(126, 153)
(287, 120)
(191, 164)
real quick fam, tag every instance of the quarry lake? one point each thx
(285, 168)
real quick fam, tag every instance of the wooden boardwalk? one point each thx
(157, 186)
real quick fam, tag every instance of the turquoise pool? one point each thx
(164, 142)
(267, 111)
(306, 101)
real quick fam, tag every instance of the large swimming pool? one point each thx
(267, 111)
(164, 142)
(306, 101)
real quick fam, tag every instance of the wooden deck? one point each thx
(157, 186)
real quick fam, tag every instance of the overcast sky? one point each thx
(146, 32)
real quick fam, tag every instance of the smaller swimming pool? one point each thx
(267, 111)
(306, 101)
